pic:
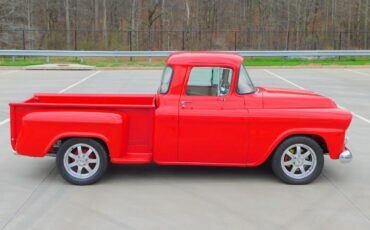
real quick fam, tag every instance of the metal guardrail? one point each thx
(244, 53)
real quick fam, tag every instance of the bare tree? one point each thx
(105, 27)
(201, 24)
(366, 23)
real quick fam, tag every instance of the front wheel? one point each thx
(298, 160)
(82, 161)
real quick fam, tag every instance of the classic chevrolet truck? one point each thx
(206, 112)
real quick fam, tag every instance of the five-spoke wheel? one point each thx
(82, 161)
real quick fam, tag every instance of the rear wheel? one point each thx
(298, 160)
(82, 161)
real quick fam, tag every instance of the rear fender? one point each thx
(40, 130)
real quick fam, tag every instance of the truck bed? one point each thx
(136, 112)
(92, 100)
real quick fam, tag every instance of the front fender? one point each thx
(40, 130)
(334, 139)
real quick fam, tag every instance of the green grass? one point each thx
(299, 62)
(159, 62)
(21, 62)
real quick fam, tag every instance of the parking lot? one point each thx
(34, 196)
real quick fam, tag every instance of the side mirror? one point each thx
(223, 91)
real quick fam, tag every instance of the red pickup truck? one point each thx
(206, 112)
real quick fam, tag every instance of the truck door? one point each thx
(212, 124)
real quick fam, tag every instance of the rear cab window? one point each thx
(166, 80)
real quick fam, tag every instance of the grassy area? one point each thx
(98, 62)
(159, 62)
(298, 61)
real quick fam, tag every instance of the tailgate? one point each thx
(17, 112)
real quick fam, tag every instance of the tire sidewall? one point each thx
(77, 181)
(276, 160)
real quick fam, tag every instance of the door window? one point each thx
(209, 81)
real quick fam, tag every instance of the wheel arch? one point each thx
(317, 138)
(59, 140)
(320, 137)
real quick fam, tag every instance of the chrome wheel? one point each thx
(81, 161)
(298, 161)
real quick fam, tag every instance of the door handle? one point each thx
(184, 103)
(221, 98)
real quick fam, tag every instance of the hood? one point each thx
(294, 98)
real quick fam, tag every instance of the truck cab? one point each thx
(202, 110)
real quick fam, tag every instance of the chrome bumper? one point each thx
(345, 156)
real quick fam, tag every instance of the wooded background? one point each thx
(184, 24)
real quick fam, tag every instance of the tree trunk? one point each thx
(366, 24)
(30, 33)
(287, 27)
(105, 28)
(133, 24)
(68, 24)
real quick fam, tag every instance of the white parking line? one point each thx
(79, 82)
(300, 87)
(283, 79)
(356, 115)
(358, 72)
(62, 91)
(8, 72)
(4, 121)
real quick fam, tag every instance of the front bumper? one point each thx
(345, 156)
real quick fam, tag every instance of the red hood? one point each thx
(294, 98)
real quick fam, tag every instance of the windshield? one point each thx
(245, 84)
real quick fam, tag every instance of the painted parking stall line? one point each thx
(4, 121)
(358, 72)
(300, 87)
(283, 79)
(79, 82)
(9, 72)
(62, 91)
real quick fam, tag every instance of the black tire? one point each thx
(70, 174)
(285, 172)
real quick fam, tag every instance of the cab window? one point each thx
(209, 81)
(166, 80)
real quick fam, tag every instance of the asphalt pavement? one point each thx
(34, 196)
